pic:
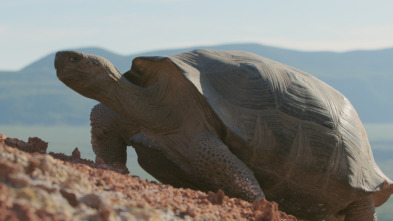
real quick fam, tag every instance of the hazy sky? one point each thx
(30, 29)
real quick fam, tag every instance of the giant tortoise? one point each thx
(234, 121)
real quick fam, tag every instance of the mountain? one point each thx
(34, 95)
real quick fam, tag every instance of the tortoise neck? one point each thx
(134, 103)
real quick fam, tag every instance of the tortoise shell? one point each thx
(306, 139)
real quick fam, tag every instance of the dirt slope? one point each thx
(39, 186)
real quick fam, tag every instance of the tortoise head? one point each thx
(138, 95)
(87, 74)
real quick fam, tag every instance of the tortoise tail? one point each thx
(381, 196)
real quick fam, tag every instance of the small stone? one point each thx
(92, 200)
(76, 154)
(70, 197)
(37, 145)
(190, 211)
(216, 198)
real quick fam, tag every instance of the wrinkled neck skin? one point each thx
(134, 103)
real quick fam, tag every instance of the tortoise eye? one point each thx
(75, 58)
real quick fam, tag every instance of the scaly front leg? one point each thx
(107, 136)
(217, 168)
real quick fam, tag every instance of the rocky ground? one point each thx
(39, 186)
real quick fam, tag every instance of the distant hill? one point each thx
(34, 95)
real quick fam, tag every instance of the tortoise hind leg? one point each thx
(362, 210)
(106, 136)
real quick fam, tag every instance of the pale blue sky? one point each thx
(30, 29)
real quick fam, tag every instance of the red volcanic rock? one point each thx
(76, 154)
(36, 186)
(34, 144)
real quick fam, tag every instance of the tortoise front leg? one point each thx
(217, 168)
(106, 136)
(362, 210)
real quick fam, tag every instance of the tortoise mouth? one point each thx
(73, 79)
(65, 75)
